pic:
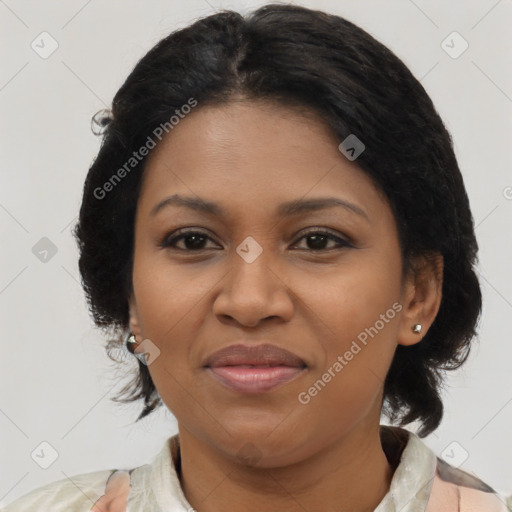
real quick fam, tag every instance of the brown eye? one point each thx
(192, 241)
(317, 241)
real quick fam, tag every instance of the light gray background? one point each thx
(55, 377)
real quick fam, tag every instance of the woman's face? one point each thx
(269, 264)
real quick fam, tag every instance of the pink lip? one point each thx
(260, 355)
(254, 368)
(255, 379)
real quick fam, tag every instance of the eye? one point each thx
(319, 239)
(193, 240)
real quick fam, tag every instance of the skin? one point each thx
(249, 157)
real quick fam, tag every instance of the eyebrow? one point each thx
(283, 210)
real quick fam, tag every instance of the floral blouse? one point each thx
(421, 482)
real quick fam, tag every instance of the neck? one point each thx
(351, 474)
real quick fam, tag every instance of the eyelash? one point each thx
(169, 241)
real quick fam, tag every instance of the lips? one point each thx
(254, 368)
(254, 355)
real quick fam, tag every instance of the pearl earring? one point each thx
(131, 345)
(130, 340)
(416, 328)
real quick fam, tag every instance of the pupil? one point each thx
(197, 241)
(318, 241)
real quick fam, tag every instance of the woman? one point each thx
(277, 228)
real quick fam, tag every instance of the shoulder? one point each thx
(422, 479)
(151, 486)
(105, 490)
(455, 489)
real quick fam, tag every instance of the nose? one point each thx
(253, 292)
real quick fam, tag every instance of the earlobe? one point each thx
(134, 319)
(422, 298)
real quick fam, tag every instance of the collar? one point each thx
(412, 480)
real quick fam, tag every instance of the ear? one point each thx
(421, 297)
(135, 327)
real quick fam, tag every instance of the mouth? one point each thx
(254, 369)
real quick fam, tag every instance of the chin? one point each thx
(261, 447)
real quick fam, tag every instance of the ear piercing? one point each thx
(131, 345)
(416, 328)
(130, 340)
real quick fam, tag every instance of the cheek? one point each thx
(172, 305)
(359, 309)
(351, 299)
(167, 295)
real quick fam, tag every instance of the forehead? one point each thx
(248, 152)
(241, 129)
